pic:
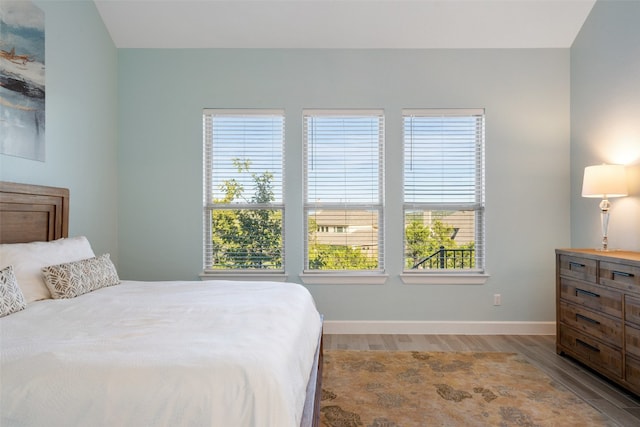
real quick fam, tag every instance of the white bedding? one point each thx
(210, 353)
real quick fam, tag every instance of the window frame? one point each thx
(476, 275)
(317, 276)
(208, 273)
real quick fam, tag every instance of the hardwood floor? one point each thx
(620, 406)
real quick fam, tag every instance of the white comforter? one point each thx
(215, 353)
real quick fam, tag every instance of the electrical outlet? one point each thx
(497, 299)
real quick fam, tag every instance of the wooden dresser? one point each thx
(598, 312)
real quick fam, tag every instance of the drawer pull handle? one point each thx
(586, 319)
(587, 346)
(573, 264)
(587, 293)
(622, 273)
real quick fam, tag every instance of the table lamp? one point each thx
(604, 181)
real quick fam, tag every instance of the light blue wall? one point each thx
(143, 193)
(81, 121)
(124, 133)
(161, 94)
(605, 119)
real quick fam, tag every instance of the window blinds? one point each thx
(241, 144)
(443, 152)
(444, 185)
(344, 173)
(243, 189)
(343, 156)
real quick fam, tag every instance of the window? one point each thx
(343, 207)
(243, 203)
(443, 190)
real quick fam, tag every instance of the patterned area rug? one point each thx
(411, 389)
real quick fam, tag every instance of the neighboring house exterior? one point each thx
(359, 228)
(354, 228)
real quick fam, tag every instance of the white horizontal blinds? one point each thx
(244, 209)
(344, 189)
(444, 187)
(443, 156)
(244, 144)
(343, 156)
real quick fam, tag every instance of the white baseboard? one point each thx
(438, 328)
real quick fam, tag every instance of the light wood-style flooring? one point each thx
(620, 406)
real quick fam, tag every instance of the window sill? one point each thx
(444, 279)
(275, 276)
(330, 278)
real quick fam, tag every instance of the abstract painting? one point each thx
(22, 80)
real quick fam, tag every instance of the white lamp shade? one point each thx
(604, 181)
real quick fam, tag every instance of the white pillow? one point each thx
(29, 258)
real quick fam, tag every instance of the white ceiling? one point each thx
(344, 23)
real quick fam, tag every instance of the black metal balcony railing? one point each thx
(448, 258)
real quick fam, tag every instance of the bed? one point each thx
(102, 351)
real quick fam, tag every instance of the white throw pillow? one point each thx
(28, 259)
(11, 298)
(76, 278)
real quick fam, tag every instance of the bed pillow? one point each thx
(76, 278)
(28, 259)
(11, 298)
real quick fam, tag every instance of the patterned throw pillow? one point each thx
(76, 278)
(12, 298)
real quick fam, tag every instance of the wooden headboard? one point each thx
(30, 213)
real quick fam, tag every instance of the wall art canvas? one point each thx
(22, 80)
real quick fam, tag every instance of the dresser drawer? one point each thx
(591, 351)
(621, 276)
(632, 373)
(578, 268)
(608, 301)
(632, 340)
(632, 310)
(592, 323)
